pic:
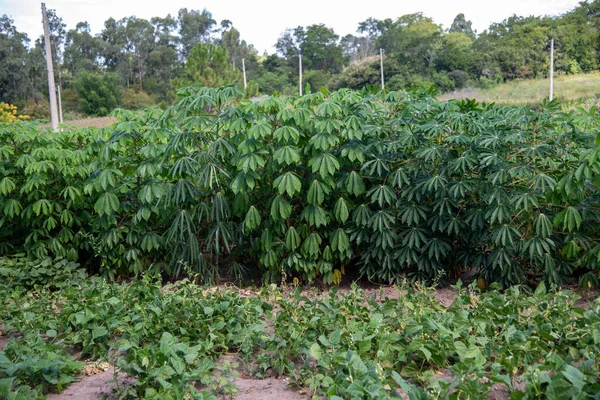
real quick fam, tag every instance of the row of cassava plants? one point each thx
(386, 183)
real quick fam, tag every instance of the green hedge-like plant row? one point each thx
(310, 187)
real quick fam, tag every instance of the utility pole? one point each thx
(381, 63)
(244, 72)
(60, 118)
(551, 96)
(300, 70)
(51, 87)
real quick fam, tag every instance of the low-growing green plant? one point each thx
(39, 365)
(170, 340)
(18, 270)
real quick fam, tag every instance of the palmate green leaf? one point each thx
(537, 247)
(292, 239)
(108, 178)
(414, 237)
(328, 108)
(376, 167)
(43, 206)
(245, 180)
(7, 185)
(311, 247)
(542, 225)
(382, 195)
(252, 220)
(259, 130)
(314, 215)
(12, 208)
(438, 248)
(413, 214)
(355, 184)
(325, 164)
(151, 192)
(340, 242)
(354, 151)
(500, 214)
(340, 210)
(362, 215)
(249, 145)
(302, 116)
(288, 183)
(381, 221)
(569, 218)
(317, 191)
(71, 192)
(251, 162)
(280, 208)
(287, 155)
(504, 235)
(287, 134)
(324, 141)
(151, 241)
(107, 203)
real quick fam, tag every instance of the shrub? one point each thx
(135, 99)
(460, 78)
(8, 113)
(98, 94)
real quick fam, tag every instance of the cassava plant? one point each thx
(386, 183)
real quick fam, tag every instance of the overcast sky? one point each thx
(261, 22)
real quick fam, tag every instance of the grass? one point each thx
(571, 90)
(98, 122)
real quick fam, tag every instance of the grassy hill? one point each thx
(571, 90)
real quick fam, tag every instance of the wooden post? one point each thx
(51, 86)
(300, 71)
(244, 72)
(551, 96)
(60, 117)
(381, 63)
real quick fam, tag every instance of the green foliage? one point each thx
(207, 66)
(20, 272)
(133, 99)
(388, 184)
(30, 362)
(98, 94)
(171, 338)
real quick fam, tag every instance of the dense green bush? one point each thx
(383, 183)
(135, 99)
(98, 94)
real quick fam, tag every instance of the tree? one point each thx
(455, 53)
(318, 44)
(13, 57)
(357, 48)
(98, 94)
(82, 50)
(194, 27)
(462, 25)
(207, 66)
(140, 40)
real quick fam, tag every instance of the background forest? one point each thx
(135, 63)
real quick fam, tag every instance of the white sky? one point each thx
(261, 22)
